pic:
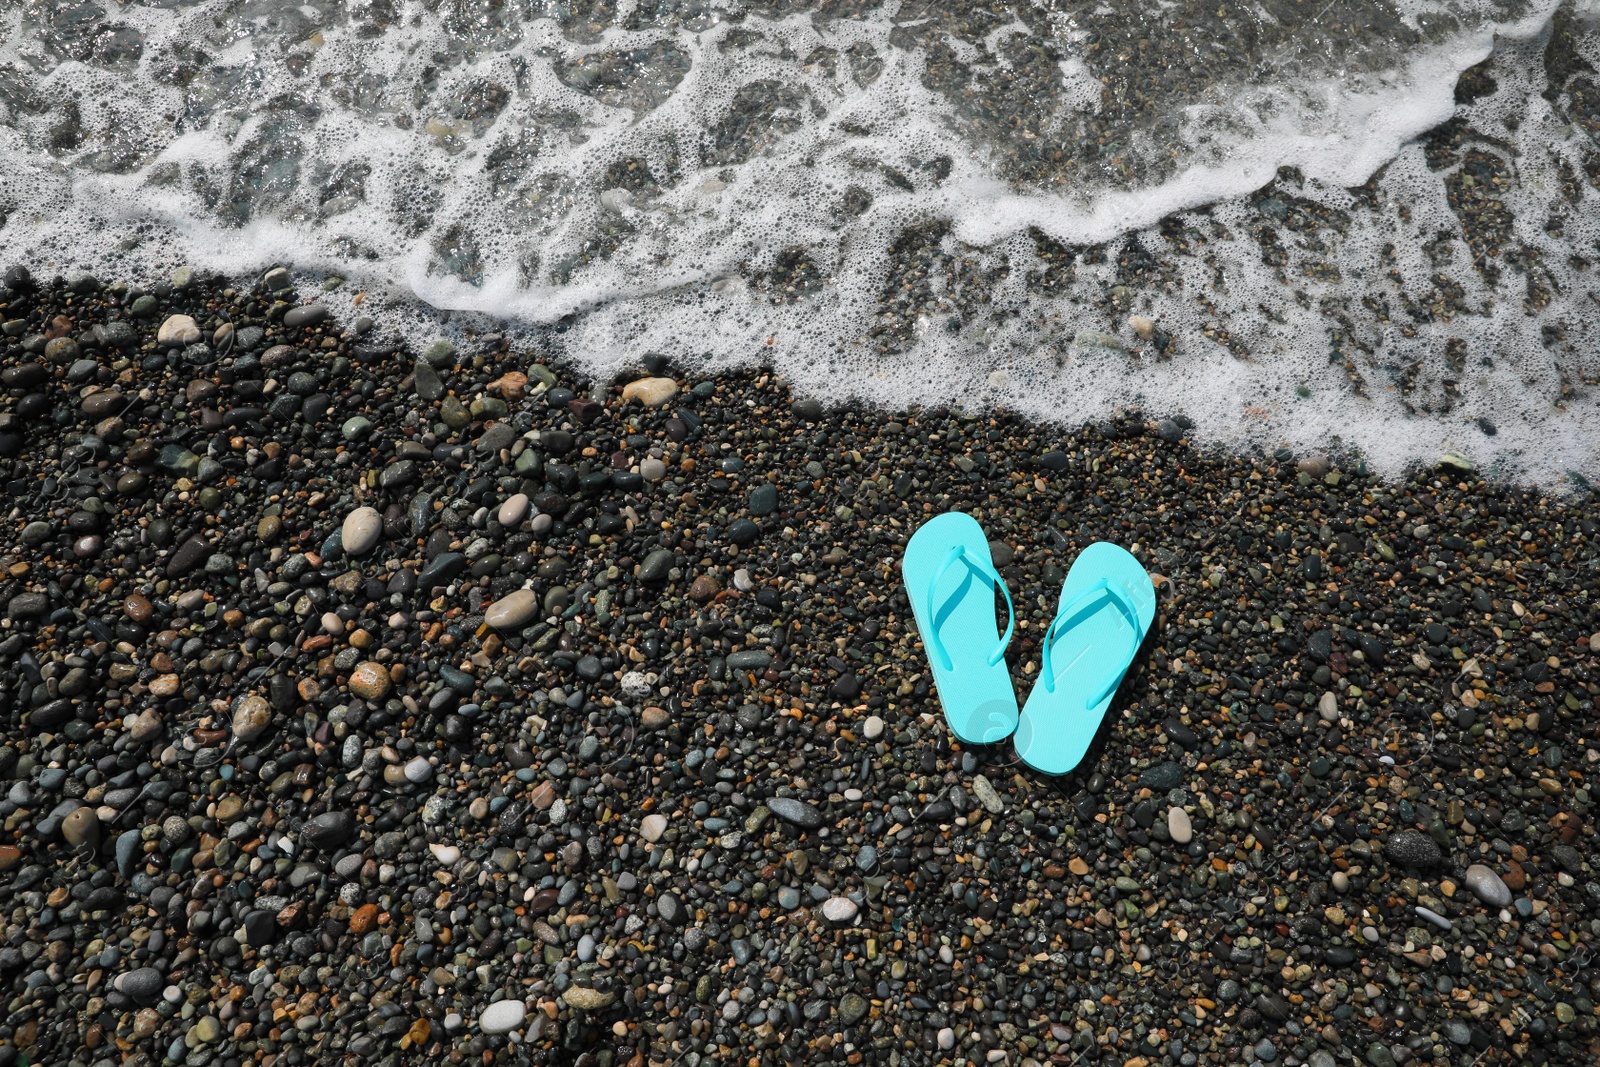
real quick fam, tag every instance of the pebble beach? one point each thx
(365, 702)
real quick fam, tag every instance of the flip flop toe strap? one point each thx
(959, 554)
(1072, 613)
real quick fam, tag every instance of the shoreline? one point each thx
(690, 794)
(1443, 304)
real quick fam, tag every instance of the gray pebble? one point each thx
(1412, 849)
(309, 315)
(1487, 886)
(329, 830)
(797, 812)
(142, 986)
(656, 565)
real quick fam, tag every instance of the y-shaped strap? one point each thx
(1102, 588)
(984, 571)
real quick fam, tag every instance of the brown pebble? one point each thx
(96, 405)
(81, 828)
(10, 856)
(1514, 878)
(704, 588)
(370, 681)
(251, 717)
(137, 608)
(654, 718)
(363, 918)
(145, 725)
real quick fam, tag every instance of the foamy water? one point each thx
(888, 202)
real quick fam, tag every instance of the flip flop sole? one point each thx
(1056, 728)
(980, 704)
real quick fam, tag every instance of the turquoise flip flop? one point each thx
(1107, 606)
(951, 580)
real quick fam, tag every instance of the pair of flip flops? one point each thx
(1107, 606)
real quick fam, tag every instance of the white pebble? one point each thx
(513, 611)
(839, 909)
(332, 625)
(513, 511)
(742, 581)
(1341, 882)
(652, 469)
(418, 770)
(635, 684)
(947, 1039)
(445, 854)
(178, 330)
(502, 1017)
(1179, 826)
(1434, 917)
(652, 826)
(987, 795)
(872, 729)
(1328, 707)
(651, 392)
(360, 531)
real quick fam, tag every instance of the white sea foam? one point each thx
(516, 163)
